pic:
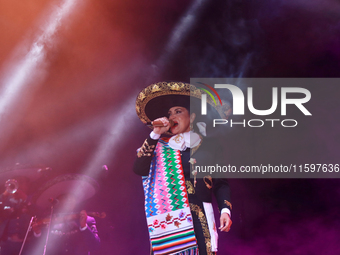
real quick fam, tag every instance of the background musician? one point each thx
(71, 232)
(15, 215)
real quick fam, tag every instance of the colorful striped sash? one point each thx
(167, 207)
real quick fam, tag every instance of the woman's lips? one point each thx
(175, 125)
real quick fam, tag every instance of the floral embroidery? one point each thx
(163, 226)
(228, 204)
(208, 181)
(155, 88)
(177, 223)
(168, 217)
(181, 215)
(179, 138)
(155, 222)
(190, 188)
(176, 87)
(145, 150)
(204, 224)
(193, 161)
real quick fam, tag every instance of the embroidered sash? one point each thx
(167, 207)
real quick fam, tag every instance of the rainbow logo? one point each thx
(209, 93)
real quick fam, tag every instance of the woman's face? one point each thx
(181, 118)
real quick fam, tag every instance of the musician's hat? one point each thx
(80, 186)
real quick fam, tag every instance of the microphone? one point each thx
(159, 123)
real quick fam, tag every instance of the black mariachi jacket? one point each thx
(207, 154)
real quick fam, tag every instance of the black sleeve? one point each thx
(221, 191)
(142, 162)
(221, 186)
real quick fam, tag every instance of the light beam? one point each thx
(20, 73)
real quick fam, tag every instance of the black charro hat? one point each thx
(82, 187)
(155, 100)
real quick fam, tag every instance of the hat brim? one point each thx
(155, 100)
(80, 186)
(29, 173)
(159, 106)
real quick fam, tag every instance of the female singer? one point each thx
(178, 205)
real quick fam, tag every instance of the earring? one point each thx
(191, 126)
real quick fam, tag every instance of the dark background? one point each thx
(74, 111)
